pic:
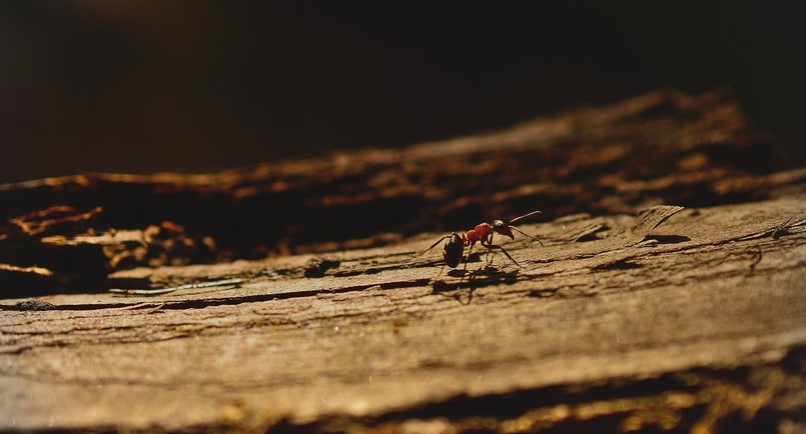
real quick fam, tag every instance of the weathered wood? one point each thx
(664, 147)
(632, 319)
(620, 331)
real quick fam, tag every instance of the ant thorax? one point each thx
(480, 233)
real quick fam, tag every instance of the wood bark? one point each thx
(666, 294)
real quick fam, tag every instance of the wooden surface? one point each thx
(634, 317)
(70, 233)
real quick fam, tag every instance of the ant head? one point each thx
(502, 228)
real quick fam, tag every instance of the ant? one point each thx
(483, 234)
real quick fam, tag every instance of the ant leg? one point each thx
(489, 259)
(493, 246)
(488, 244)
(434, 245)
(467, 259)
(441, 269)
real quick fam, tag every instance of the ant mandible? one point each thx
(483, 233)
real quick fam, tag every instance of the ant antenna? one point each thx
(520, 231)
(525, 234)
(523, 217)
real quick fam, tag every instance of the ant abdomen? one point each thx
(453, 249)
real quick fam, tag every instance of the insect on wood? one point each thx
(453, 250)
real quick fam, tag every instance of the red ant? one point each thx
(483, 234)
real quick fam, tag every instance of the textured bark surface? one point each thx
(665, 147)
(630, 317)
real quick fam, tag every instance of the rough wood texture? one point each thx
(665, 320)
(663, 147)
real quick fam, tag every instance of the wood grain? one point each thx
(637, 314)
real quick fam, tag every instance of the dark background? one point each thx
(144, 86)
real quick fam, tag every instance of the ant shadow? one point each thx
(469, 281)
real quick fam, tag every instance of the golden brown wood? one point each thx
(623, 321)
